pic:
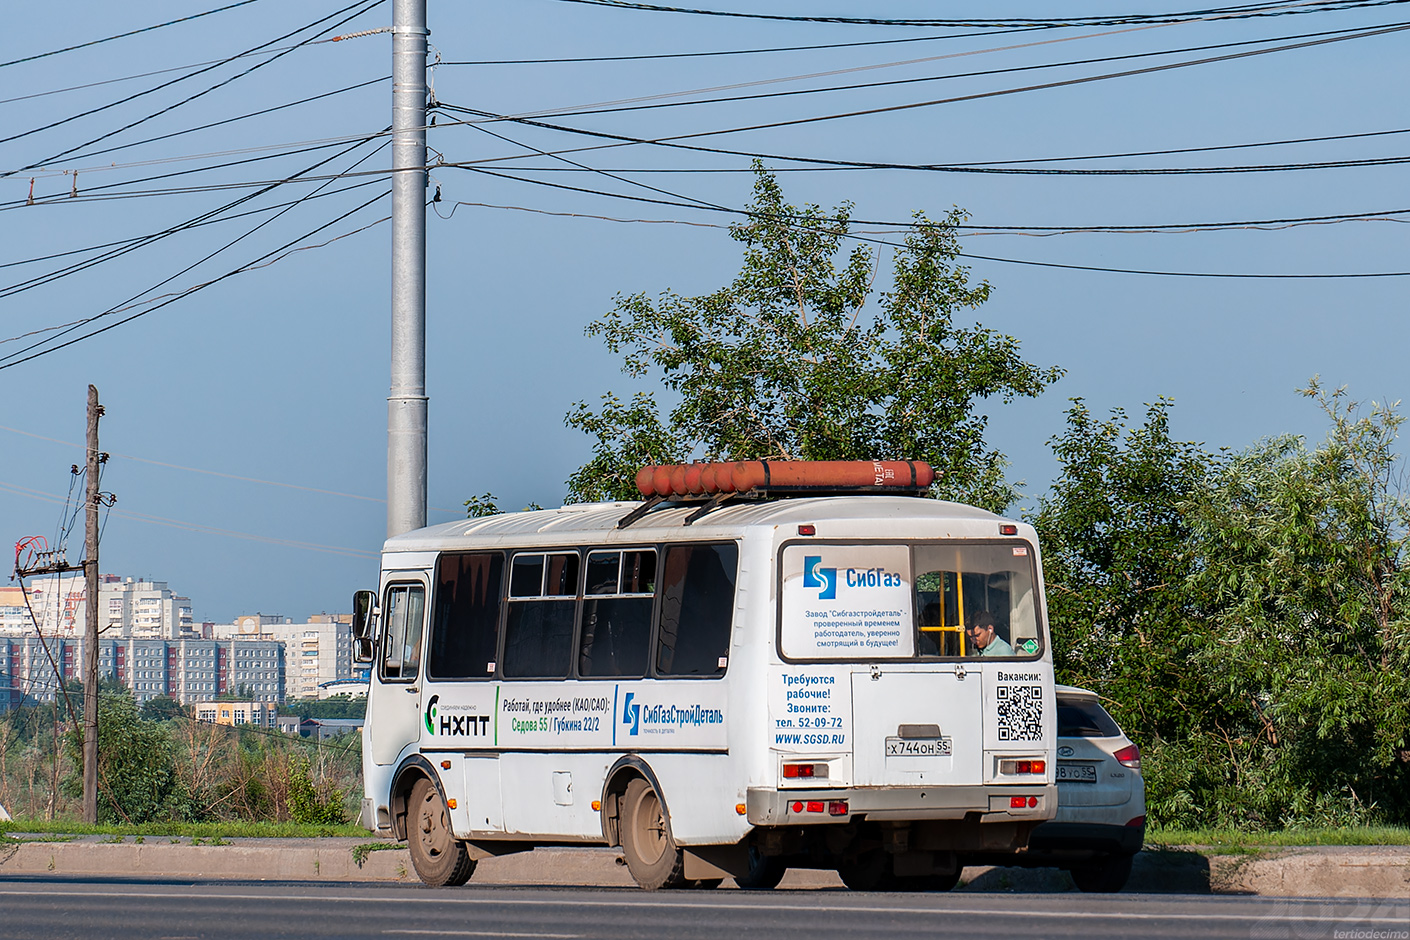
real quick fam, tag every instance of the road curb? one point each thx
(1322, 871)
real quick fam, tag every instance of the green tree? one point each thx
(1304, 558)
(789, 362)
(137, 776)
(163, 708)
(1117, 562)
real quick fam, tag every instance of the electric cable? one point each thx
(793, 122)
(49, 277)
(138, 238)
(132, 32)
(93, 191)
(210, 214)
(1242, 11)
(1075, 267)
(232, 120)
(189, 65)
(361, 6)
(181, 294)
(732, 52)
(653, 102)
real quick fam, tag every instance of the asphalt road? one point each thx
(96, 909)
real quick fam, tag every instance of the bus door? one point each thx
(394, 703)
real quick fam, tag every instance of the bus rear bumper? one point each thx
(769, 807)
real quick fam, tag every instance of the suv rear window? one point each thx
(1084, 718)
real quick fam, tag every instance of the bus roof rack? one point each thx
(710, 485)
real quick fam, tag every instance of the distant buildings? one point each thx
(316, 652)
(149, 642)
(259, 714)
(188, 670)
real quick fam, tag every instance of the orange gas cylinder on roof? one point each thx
(699, 479)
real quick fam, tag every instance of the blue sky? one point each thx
(280, 374)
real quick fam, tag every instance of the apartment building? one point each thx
(126, 607)
(188, 670)
(316, 651)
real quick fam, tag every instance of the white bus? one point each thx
(717, 689)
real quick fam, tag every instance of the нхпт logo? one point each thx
(815, 576)
(431, 714)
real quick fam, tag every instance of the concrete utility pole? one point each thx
(407, 404)
(90, 642)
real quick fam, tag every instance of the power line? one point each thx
(138, 238)
(51, 276)
(362, 5)
(965, 229)
(232, 120)
(1243, 11)
(1075, 267)
(253, 265)
(133, 32)
(192, 65)
(93, 191)
(197, 527)
(674, 139)
(653, 102)
(731, 52)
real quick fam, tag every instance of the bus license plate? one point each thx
(922, 747)
(1071, 772)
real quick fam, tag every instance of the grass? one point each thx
(212, 830)
(1232, 839)
(360, 852)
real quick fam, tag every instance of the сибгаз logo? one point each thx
(818, 577)
(631, 714)
(431, 714)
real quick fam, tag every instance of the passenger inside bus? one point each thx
(984, 638)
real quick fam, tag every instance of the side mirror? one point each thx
(364, 621)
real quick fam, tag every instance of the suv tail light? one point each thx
(1129, 756)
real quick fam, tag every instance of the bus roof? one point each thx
(569, 524)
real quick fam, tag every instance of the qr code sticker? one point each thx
(1020, 713)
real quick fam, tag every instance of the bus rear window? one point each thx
(903, 601)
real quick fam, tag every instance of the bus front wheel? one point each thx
(651, 853)
(439, 858)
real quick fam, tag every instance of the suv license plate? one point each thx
(919, 747)
(1072, 772)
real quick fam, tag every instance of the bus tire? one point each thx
(650, 850)
(868, 871)
(439, 858)
(765, 871)
(1102, 876)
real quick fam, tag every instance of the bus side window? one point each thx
(616, 634)
(465, 616)
(405, 609)
(697, 607)
(538, 634)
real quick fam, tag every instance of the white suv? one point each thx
(1101, 814)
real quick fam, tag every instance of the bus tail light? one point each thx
(839, 808)
(1023, 802)
(597, 806)
(1008, 528)
(1129, 756)
(741, 808)
(1027, 766)
(793, 771)
(816, 806)
(450, 803)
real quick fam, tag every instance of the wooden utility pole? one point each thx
(90, 642)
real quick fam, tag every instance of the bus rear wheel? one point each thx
(439, 858)
(651, 853)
